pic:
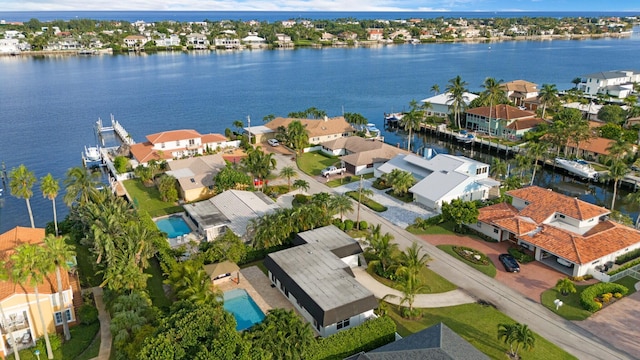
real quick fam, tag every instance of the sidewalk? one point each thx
(105, 324)
(449, 298)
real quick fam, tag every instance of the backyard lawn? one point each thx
(489, 270)
(81, 345)
(571, 308)
(148, 198)
(445, 228)
(312, 163)
(478, 324)
(436, 283)
(154, 285)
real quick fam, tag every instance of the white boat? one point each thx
(465, 137)
(92, 154)
(393, 117)
(372, 129)
(578, 167)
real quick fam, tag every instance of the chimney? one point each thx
(326, 118)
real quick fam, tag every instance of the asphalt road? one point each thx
(570, 337)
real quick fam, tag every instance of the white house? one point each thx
(360, 155)
(443, 178)
(616, 83)
(9, 46)
(227, 42)
(135, 41)
(316, 277)
(319, 130)
(566, 233)
(254, 41)
(440, 103)
(198, 41)
(168, 145)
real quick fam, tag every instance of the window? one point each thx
(178, 143)
(58, 317)
(192, 141)
(162, 145)
(496, 231)
(343, 324)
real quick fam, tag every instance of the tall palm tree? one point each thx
(60, 253)
(301, 185)
(50, 187)
(548, 94)
(494, 93)
(81, 186)
(436, 89)
(410, 287)
(536, 151)
(5, 275)
(498, 168)
(288, 172)
(29, 267)
(259, 164)
(619, 148)
(457, 89)
(617, 171)
(411, 121)
(341, 204)
(361, 192)
(381, 249)
(21, 182)
(411, 261)
(507, 333)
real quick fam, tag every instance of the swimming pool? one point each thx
(174, 226)
(244, 309)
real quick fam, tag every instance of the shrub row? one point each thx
(368, 202)
(522, 257)
(625, 267)
(254, 254)
(631, 255)
(368, 336)
(590, 294)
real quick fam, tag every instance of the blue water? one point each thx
(174, 226)
(244, 309)
(48, 105)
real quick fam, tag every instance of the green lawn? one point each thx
(154, 285)
(571, 308)
(346, 180)
(407, 197)
(82, 337)
(489, 270)
(478, 324)
(312, 163)
(87, 267)
(436, 283)
(148, 198)
(445, 228)
(370, 203)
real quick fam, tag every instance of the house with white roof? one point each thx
(198, 41)
(254, 41)
(360, 155)
(440, 104)
(443, 178)
(566, 233)
(316, 276)
(616, 83)
(175, 144)
(232, 209)
(501, 120)
(195, 175)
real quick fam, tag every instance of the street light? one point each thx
(558, 303)
(37, 353)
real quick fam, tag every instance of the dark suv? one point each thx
(509, 262)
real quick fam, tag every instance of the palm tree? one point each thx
(493, 92)
(524, 338)
(565, 286)
(498, 168)
(400, 181)
(4, 276)
(617, 171)
(548, 94)
(50, 187)
(60, 253)
(576, 81)
(296, 136)
(436, 89)
(381, 249)
(410, 287)
(507, 333)
(536, 151)
(619, 148)
(411, 121)
(283, 333)
(411, 262)
(362, 192)
(29, 267)
(190, 282)
(81, 186)
(457, 89)
(341, 204)
(21, 183)
(288, 172)
(259, 164)
(301, 184)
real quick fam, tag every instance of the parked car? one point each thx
(332, 170)
(509, 262)
(273, 142)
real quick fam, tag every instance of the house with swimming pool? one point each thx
(565, 233)
(316, 277)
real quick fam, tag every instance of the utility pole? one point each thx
(249, 128)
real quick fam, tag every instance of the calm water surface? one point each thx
(49, 105)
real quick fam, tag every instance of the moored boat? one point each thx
(465, 137)
(578, 167)
(91, 154)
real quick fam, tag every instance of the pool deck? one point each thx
(256, 283)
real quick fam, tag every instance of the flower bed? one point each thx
(596, 296)
(471, 255)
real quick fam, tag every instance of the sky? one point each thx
(321, 5)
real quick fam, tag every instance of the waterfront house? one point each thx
(260, 134)
(316, 277)
(495, 121)
(566, 233)
(227, 42)
(167, 41)
(231, 209)
(375, 35)
(518, 91)
(175, 144)
(134, 42)
(63, 43)
(21, 315)
(252, 40)
(615, 83)
(319, 130)
(443, 178)
(195, 175)
(198, 41)
(589, 111)
(283, 40)
(441, 103)
(359, 155)
(435, 342)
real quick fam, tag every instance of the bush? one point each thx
(88, 314)
(348, 225)
(624, 267)
(301, 199)
(337, 222)
(521, 256)
(631, 255)
(363, 225)
(365, 337)
(606, 297)
(590, 295)
(617, 295)
(259, 254)
(120, 163)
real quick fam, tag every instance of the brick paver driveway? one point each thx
(533, 279)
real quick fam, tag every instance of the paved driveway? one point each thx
(532, 280)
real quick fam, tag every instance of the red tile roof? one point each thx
(523, 124)
(143, 152)
(501, 111)
(213, 138)
(543, 203)
(173, 135)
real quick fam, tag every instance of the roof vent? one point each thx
(193, 180)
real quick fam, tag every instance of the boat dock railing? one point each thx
(122, 133)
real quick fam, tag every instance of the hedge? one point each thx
(522, 257)
(588, 296)
(368, 336)
(624, 267)
(631, 255)
(371, 204)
